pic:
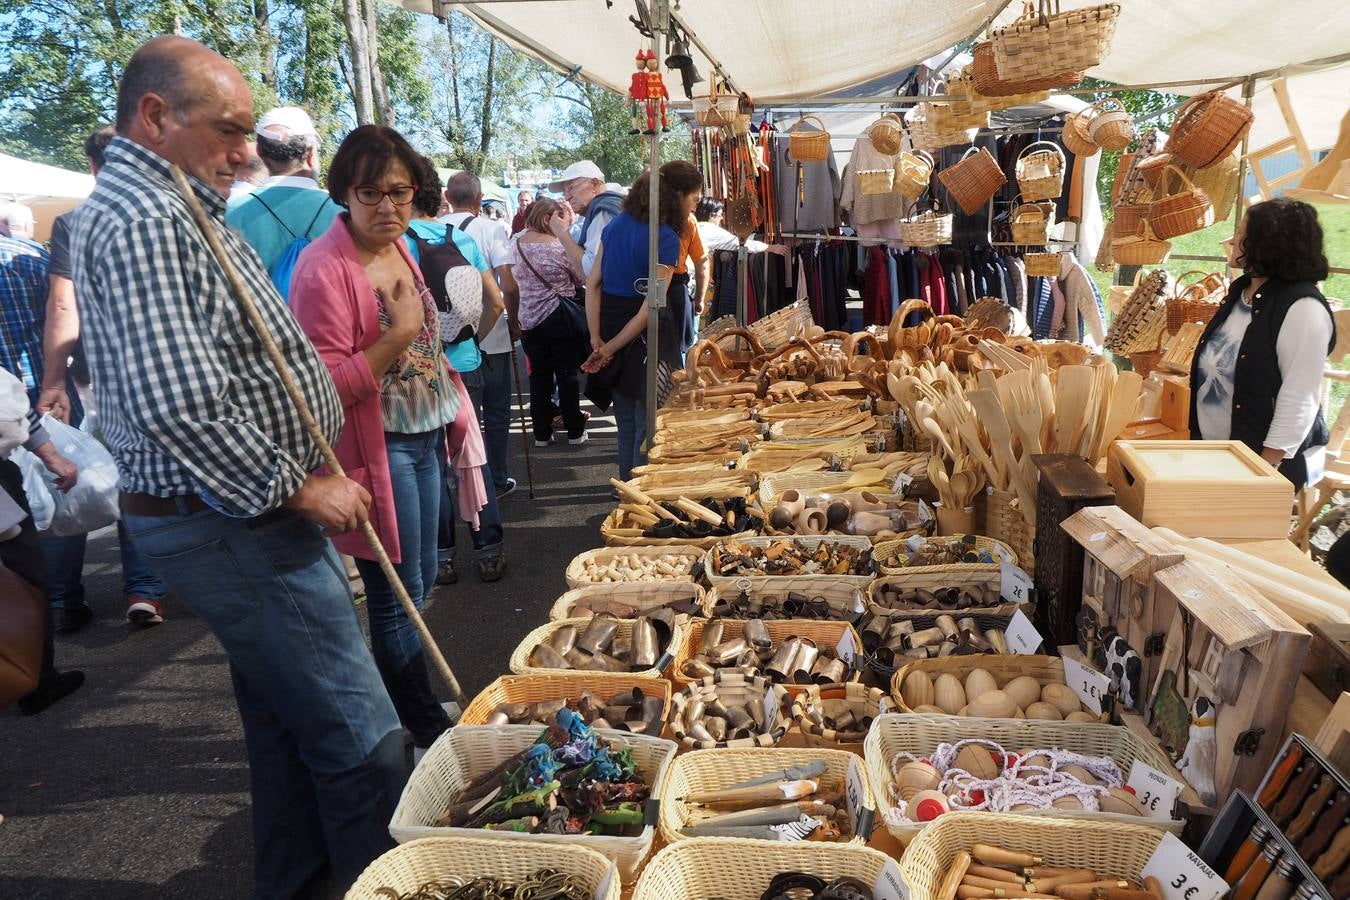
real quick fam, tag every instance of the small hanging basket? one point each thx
(1110, 126)
(1040, 171)
(1151, 169)
(925, 133)
(1206, 129)
(718, 109)
(809, 146)
(1175, 214)
(1043, 41)
(1131, 211)
(928, 229)
(1030, 222)
(973, 180)
(1077, 140)
(1105, 260)
(959, 112)
(1197, 302)
(875, 181)
(988, 81)
(1045, 265)
(885, 134)
(1143, 249)
(1220, 182)
(913, 174)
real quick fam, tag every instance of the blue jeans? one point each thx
(415, 470)
(630, 414)
(65, 569)
(487, 537)
(325, 751)
(489, 387)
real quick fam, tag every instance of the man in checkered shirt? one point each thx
(218, 474)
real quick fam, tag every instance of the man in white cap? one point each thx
(583, 186)
(280, 218)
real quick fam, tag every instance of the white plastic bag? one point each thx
(36, 486)
(92, 502)
(13, 413)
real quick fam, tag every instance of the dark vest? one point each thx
(609, 201)
(1256, 379)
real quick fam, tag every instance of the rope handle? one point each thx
(1101, 106)
(800, 122)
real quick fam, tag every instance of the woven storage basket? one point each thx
(1143, 249)
(709, 770)
(996, 548)
(1030, 223)
(1108, 848)
(1140, 325)
(560, 686)
(1105, 261)
(809, 146)
(809, 542)
(846, 602)
(885, 134)
(1045, 265)
(1110, 126)
(1076, 137)
(520, 657)
(737, 869)
(1040, 171)
(618, 521)
(824, 632)
(934, 577)
(1004, 667)
(408, 866)
(959, 112)
(926, 229)
(639, 597)
(827, 701)
(1174, 214)
(781, 326)
(732, 689)
(919, 734)
(771, 487)
(913, 174)
(716, 111)
(1128, 221)
(988, 81)
(576, 572)
(1151, 168)
(1191, 302)
(1144, 363)
(1219, 182)
(875, 181)
(1207, 128)
(925, 133)
(1003, 521)
(467, 752)
(1077, 40)
(973, 180)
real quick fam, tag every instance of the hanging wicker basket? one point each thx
(927, 229)
(1105, 261)
(1219, 182)
(1207, 128)
(875, 181)
(1076, 137)
(1110, 126)
(973, 180)
(925, 133)
(809, 146)
(718, 109)
(1175, 214)
(1151, 168)
(1040, 171)
(1030, 222)
(1045, 265)
(885, 134)
(1043, 41)
(960, 111)
(913, 174)
(1197, 302)
(1142, 249)
(988, 81)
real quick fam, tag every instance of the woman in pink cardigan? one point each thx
(359, 296)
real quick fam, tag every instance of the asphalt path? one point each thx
(136, 787)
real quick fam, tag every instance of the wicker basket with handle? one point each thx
(809, 146)
(875, 181)
(887, 558)
(561, 686)
(920, 733)
(1219, 182)
(962, 109)
(1045, 40)
(973, 180)
(926, 229)
(520, 657)
(988, 81)
(1030, 222)
(1207, 127)
(1142, 249)
(820, 703)
(710, 770)
(1040, 171)
(576, 570)
(885, 134)
(1076, 137)
(913, 174)
(823, 632)
(1181, 212)
(1194, 302)
(737, 869)
(928, 132)
(718, 109)
(781, 326)
(407, 867)
(1045, 265)
(1110, 126)
(635, 598)
(1108, 848)
(470, 751)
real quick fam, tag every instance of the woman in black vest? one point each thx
(1257, 371)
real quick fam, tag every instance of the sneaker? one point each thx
(445, 572)
(577, 441)
(50, 689)
(547, 443)
(492, 569)
(508, 490)
(72, 618)
(143, 612)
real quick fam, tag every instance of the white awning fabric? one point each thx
(30, 182)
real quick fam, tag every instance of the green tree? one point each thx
(598, 122)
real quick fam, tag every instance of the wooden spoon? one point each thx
(1124, 401)
(1000, 442)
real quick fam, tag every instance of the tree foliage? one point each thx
(1143, 106)
(598, 123)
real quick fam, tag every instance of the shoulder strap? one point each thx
(283, 225)
(520, 251)
(318, 212)
(464, 226)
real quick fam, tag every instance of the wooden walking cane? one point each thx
(269, 343)
(524, 436)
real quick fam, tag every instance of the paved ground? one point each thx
(136, 787)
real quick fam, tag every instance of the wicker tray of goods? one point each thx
(808, 597)
(602, 699)
(1003, 685)
(615, 565)
(680, 522)
(729, 709)
(924, 591)
(694, 478)
(843, 557)
(892, 640)
(969, 551)
(630, 600)
(838, 715)
(641, 646)
(790, 652)
(736, 869)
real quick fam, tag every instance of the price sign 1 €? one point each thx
(1090, 685)
(1182, 873)
(1014, 584)
(1155, 791)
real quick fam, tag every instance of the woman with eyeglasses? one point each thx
(360, 297)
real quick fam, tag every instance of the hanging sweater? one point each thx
(816, 206)
(1083, 313)
(863, 208)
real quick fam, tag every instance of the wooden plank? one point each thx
(1333, 737)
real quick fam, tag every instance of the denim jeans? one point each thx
(325, 750)
(487, 538)
(415, 471)
(630, 414)
(65, 569)
(489, 387)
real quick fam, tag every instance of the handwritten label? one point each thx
(771, 701)
(1021, 635)
(1097, 536)
(890, 884)
(925, 512)
(1183, 874)
(1155, 791)
(846, 649)
(611, 873)
(1091, 686)
(901, 484)
(1014, 584)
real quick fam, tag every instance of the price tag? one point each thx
(901, 484)
(853, 795)
(770, 707)
(925, 512)
(610, 874)
(890, 885)
(1183, 874)
(1090, 685)
(846, 649)
(1097, 536)
(1156, 792)
(1014, 584)
(1021, 635)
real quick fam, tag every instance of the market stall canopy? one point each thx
(30, 182)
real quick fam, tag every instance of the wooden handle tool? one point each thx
(1308, 812)
(1051, 882)
(1280, 776)
(1335, 857)
(639, 496)
(952, 880)
(698, 511)
(775, 792)
(994, 873)
(1291, 799)
(997, 856)
(1329, 822)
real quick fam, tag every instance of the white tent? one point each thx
(30, 182)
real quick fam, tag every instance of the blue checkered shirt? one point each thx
(188, 401)
(23, 308)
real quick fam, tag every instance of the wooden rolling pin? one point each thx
(698, 511)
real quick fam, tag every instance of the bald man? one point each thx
(219, 481)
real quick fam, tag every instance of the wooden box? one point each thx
(1067, 484)
(1176, 402)
(1214, 489)
(1226, 680)
(1119, 598)
(1329, 658)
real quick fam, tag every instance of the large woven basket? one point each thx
(927, 132)
(1054, 41)
(1110, 126)
(1076, 137)
(997, 548)
(469, 751)
(708, 770)
(913, 174)
(926, 229)
(1140, 324)
(1181, 212)
(1143, 249)
(962, 110)
(846, 602)
(1044, 265)
(771, 487)
(781, 326)
(409, 866)
(613, 530)
(1040, 171)
(1104, 260)
(1030, 223)
(809, 146)
(736, 869)
(1108, 848)
(988, 81)
(1003, 666)
(1197, 302)
(1219, 182)
(824, 632)
(520, 657)
(1207, 128)
(732, 689)
(973, 180)
(828, 700)
(919, 734)
(810, 542)
(1004, 521)
(576, 572)
(875, 181)
(639, 597)
(560, 686)
(885, 134)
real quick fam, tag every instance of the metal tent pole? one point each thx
(656, 284)
(742, 289)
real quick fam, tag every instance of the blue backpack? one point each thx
(282, 269)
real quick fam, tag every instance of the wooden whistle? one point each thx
(1329, 822)
(957, 871)
(993, 873)
(1280, 776)
(993, 883)
(997, 856)
(1051, 882)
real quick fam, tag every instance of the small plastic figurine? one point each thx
(648, 87)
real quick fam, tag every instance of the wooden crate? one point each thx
(1067, 484)
(1329, 658)
(1214, 489)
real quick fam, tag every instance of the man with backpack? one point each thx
(280, 218)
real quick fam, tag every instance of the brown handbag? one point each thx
(22, 620)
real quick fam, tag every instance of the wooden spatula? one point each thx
(1073, 396)
(1125, 399)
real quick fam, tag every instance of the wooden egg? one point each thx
(930, 708)
(1048, 711)
(1024, 690)
(1067, 802)
(1119, 800)
(993, 705)
(917, 690)
(948, 693)
(914, 777)
(977, 761)
(1028, 764)
(964, 711)
(1080, 715)
(1080, 773)
(1020, 714)
(1062, 696)
(978, 682)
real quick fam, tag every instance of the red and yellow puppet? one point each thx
(647, 95)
